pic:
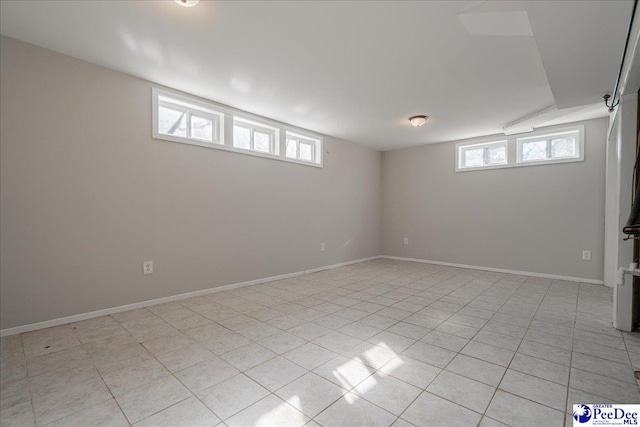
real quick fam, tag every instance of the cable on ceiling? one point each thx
(615, 99)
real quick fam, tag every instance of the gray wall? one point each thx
(87, 195)
(621, 155)
(535, 219)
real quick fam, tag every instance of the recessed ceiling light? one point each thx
(187, 3)
(418, 121)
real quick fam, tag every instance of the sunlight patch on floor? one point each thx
(282, 412)
(350, 373)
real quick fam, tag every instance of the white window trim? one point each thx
(300, 139)
(512, 149)
(548, 136)
(461, 148)
(227, 116)
(253, 127)
(190, 107)
(216, 121)
(309, 144)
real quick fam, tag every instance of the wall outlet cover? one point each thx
(147, 267)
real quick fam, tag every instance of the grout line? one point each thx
(483, 414)
(441, 276)
(573, 330)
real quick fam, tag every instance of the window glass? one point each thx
(306, 151)
(172, 122)
(242, 137)
(497, 154)
(261, 142)
(292, 148)
(474, 157)
(534, 150)
(201, 128)
(563, 147)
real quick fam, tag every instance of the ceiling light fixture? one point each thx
(187, 3)
(418, 121)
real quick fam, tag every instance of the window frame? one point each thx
(256, 127)
(514, 148)
(485, 146)
(191, 107)
(300, 139)
(548, 138)
(215, 124)
(227, 117)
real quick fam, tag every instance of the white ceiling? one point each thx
(354, 70)
(582, 60)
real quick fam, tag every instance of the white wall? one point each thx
(87, 195)
(620, 161)
(532, 219)
(612, 211)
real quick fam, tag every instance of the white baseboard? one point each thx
(498, 270)
(342, 264)
(113, 310)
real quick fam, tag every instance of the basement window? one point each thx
(471, 156)
(559, 145)
(177, 118)
(248, 135)
(553, 147)
(189, 120)
(301, 148)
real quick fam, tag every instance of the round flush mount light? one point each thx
(187, 3)
(418, 121)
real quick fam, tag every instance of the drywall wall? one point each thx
(621, 156)
(535, 218)
(87, 195)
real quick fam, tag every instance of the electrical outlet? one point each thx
(147, 267)
(322, 247)
(586, 255)
(406, 240)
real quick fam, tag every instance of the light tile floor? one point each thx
(377, 343)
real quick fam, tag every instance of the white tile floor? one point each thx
(377, 343)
